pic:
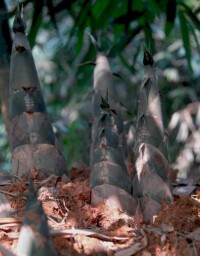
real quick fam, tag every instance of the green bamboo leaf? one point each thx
(124, 61)
(149, 37)
(168, 28)
(154, 6)
(192, 29)
(5, 36)
(192, 16)
(197, 10)
(98, 8)
(52, 13)
(185, 36)
(102, 9)
(171, 15)
(138, 5)
(36, 22)
(163, 5)
(124, 40)
(79, 20)
(34, 30)
(128, 17)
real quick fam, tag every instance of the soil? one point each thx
(102, 230)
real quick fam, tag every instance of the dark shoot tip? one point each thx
(19, 24)
(104, 104)
(106, 107)
(148, 59)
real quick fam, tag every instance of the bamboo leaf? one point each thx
(36, 22)
(51, 10)
(124, 61)
(191, 15)
(154, 6)
(138, 5)
(123, 41)
(5, 36)
(195, 36)
(128, 17)
(197, 11)
(79, 23)
(171, 15)
(34, 30)
(185, 36)
(149, 37)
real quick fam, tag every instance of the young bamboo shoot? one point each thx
(151, 184)
(34, 238)
(109, 180)
(32, 139)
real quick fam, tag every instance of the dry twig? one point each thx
(135, 247)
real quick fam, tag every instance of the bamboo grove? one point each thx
(34, 145)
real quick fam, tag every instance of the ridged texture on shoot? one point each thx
(151, 184)
(5, 51)
(32, 139)
(34, 238)
(103, 86)
(19, 24)
(109, 178)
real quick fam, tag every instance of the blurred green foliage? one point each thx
(58, 33)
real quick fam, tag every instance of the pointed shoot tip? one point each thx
(19, 24)
(104, 104)
(148, 59)
(94, 43)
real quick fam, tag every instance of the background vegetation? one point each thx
(58, 33)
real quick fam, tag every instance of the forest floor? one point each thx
(78, 228)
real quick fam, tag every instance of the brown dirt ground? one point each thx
(67, 205)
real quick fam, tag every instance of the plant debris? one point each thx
(77, 228)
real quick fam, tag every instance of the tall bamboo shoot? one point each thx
(33, 142)
(109, 180)
(151, 184)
